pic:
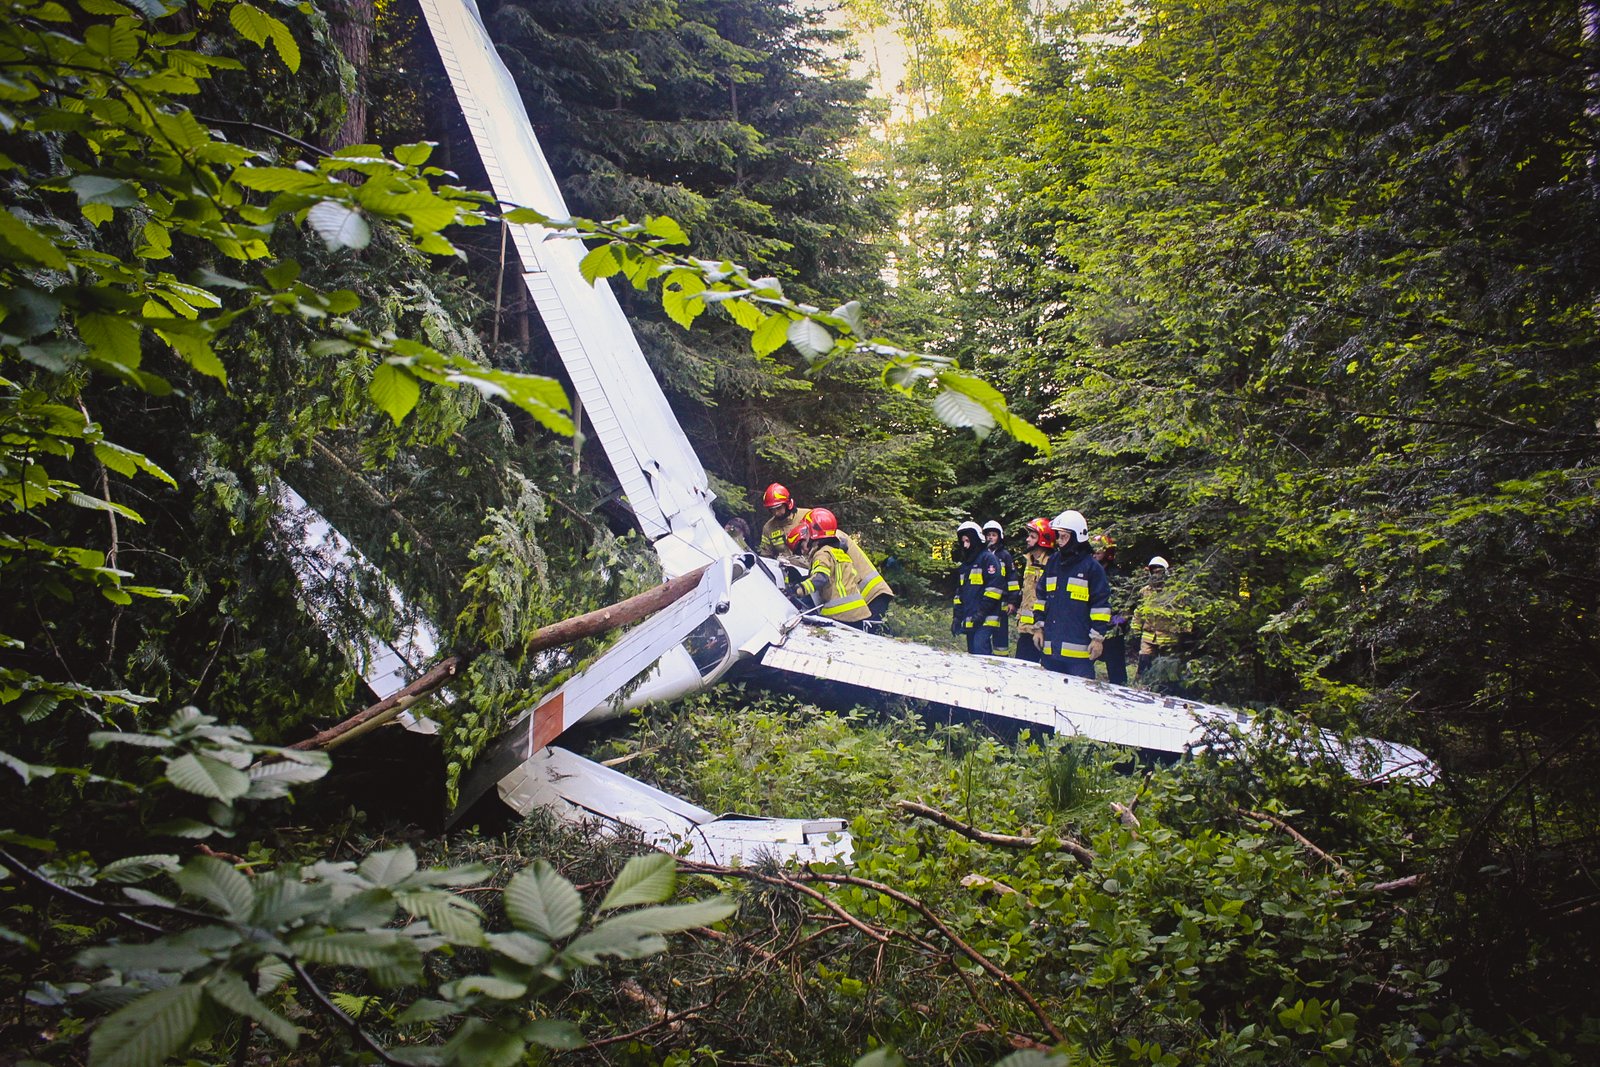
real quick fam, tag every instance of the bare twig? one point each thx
(950, 822)
(1409, 883)
(356, 1030)
(993, 969)
(1301, 839)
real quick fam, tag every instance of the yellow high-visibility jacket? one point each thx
(774, 539)
(1032, 565)
(872, 584)
(833, 586)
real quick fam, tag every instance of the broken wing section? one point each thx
(678, 650)
(1025, 692)
(583, 791)
(660, 474)
(326, 564)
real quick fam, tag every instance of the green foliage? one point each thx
(243, 944)
(1250, 905)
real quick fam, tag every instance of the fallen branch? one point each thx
(387, 708)
(993, 969)
(1301, 839)
(565, 632)
(795, 881)
(950, 822)
(1409, 883)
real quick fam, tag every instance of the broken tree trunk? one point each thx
(589, 624)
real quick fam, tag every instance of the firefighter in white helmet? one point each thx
(994, 536)
(979, 589)
(1156, 620)
(1073, 601)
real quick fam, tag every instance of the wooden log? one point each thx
(565, 632)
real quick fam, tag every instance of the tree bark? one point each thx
(564, 632)
(350, 23)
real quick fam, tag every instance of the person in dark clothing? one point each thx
(739, 530)
(979, 589)
(994, 536)
(1073, 601)
(1115, 656)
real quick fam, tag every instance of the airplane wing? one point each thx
(581, 790)
(661, 476)
(529, 774)
(323, 561)
(1024, 692)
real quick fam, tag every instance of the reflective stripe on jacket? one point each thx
(1011, 571)
(833, 587)
(1072, 603)
(872, 583)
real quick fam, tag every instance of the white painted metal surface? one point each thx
(583, 791)
(324, 561)
(1025, 692)
(662, 478)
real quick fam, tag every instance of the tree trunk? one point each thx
(351, 22)
(564, 632)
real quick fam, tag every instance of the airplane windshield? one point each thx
(708, 646)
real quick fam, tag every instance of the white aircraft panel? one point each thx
(661, 476)
(580, 790)
(323, 560)
(1025, 692)
(628, 658)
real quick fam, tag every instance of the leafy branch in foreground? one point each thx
(200, 940)
(639, 251)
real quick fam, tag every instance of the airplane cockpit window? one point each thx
(708, 645)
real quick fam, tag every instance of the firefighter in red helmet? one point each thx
(783, 515)
(1041, 543)
(832, 584)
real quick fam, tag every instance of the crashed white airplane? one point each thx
(738, 613)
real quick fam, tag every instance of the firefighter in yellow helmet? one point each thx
(832, 584)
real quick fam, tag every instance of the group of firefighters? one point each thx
(1058, 588)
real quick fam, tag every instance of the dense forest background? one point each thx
(1303, 295)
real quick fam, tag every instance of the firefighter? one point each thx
(1155, 620)
(1115, 658)
(874, 589)
(783, 515)
(739, 531)
(979, 589)
(1073, 602)
(832, 584)
(1041, 543)
(994, 536)
(795, 560)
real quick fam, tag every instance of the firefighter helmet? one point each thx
(1071, 522)
(1102, 542)
(822, 523)
(969, 527)
(1158, 561)
(1042, 530)
(799, 531)
(996, 527)
(776, 494)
